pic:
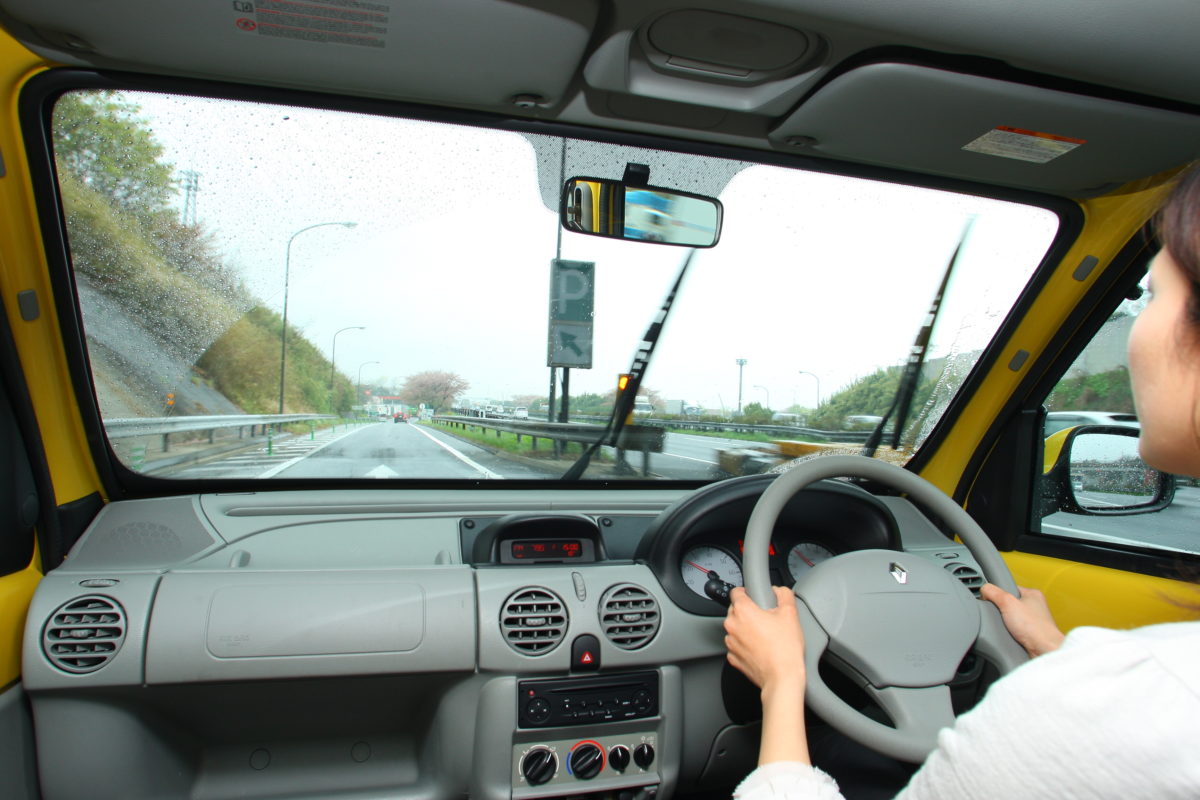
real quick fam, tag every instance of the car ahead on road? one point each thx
(227, 226)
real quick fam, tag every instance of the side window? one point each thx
(1094, 486)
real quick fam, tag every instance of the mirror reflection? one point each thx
(640, 213)
(1106, 472)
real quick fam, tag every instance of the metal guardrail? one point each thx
(643, 438)
(779, 431)
(128, 428)
(154, 426)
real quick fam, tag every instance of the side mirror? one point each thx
(1096, 470)
(618, 210)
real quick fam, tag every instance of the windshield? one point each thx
(303, 293)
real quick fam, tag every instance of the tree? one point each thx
(99, 138)
(436, 389)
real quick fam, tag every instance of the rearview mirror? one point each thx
(618, 210)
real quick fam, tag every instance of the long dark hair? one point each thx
(1178, 228)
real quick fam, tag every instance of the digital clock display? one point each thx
(545, 549)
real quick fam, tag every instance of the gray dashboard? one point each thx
(281, 644)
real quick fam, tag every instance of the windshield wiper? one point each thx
(623, 406)
(902, 402)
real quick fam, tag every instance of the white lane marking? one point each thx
(383, 471)
(689, 458)
(487, 473)
(278, 468)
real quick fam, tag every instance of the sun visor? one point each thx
(966, 126)
(470, 52)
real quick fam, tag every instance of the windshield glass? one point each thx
(302, 293)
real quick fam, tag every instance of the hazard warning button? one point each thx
(585, 653)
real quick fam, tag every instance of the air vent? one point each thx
(533, 621)
(969, 576)
(84, 634)
(629, 616)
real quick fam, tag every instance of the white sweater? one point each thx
(1110, 714)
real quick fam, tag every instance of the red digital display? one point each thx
(742, 547)
(551, 549)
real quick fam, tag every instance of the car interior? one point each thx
(238, 236)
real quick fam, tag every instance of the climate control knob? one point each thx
(618, 757)
(586, 761)
(643, 755)
(539, 765)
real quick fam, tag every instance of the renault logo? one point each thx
(899, 573)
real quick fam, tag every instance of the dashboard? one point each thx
(509, 644)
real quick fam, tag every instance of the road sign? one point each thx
(572, 287)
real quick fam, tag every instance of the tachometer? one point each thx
(699, 562)
(805, 556)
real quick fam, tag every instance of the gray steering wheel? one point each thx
(901, 621)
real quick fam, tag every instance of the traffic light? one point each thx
(622, 381)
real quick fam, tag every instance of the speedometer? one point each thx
(699, 563)
(805, 556)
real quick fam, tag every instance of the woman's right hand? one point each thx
(765, 644)
(1027, 618)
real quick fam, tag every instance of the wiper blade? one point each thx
(623, 406)
(902, 402)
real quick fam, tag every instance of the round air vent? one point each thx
(84, 634)
(629, 616)
(969, 576)
(533, 621)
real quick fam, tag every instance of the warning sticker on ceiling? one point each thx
(354, 22)
(1033, 146)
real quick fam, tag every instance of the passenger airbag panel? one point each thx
(236, 625)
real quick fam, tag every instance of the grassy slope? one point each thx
(202, 317)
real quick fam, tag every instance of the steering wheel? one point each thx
(901, 621)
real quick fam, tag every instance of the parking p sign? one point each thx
(572, 285)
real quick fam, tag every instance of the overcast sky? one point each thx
(448, 266)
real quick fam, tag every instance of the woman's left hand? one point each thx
(765, 644)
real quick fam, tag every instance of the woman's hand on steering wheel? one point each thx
(767, 645)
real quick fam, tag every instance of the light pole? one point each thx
(818, 380)
(287, 268)
(333, 352)
(741, 362)
(768, 393)
(358, 391)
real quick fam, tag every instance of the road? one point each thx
(1173, 528)
(391, 450)
(373, 450)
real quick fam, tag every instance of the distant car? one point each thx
(520, 412)
(1061, 420)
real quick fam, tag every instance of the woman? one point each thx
(1097, 713)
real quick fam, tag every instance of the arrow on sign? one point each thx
(568, 342)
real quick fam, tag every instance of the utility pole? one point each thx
(741, 362)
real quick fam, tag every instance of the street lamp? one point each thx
(333, 352)
(287, 268)
(741, 362)
(360, 366)
(818, 380)
(768, 393)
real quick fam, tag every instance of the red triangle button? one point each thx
(586, 658)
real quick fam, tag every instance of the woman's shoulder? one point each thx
(1173, 647)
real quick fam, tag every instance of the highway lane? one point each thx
(390, 450)
(375, 450)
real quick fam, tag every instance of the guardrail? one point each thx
(165, 426)
(643, 438)
(780, 431)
